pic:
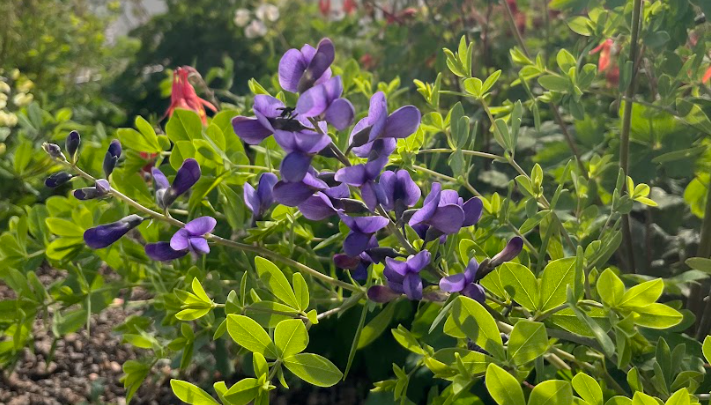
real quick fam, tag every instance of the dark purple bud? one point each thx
(379, 254)
(104, 235)
(72, 144)
(112, 157)
(346, 262)
(187, 176)
(512, 249)
(382, 294)
(351, 206)
(162, 252)
(54, 151)
(259, 200)
(57, 179)
(87, 193)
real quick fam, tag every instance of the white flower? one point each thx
(7, 119)
(25, 86)
(4, 87)
(22, 99)
(267, 12)
(3, 103)
(255, 29)
(241, 17)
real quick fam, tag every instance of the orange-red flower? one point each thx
(183, 95)
(707, 76)
(605, 50)
(349, 6)
(519, 17)
(324, 6)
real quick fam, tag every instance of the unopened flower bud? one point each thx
(57, 179)
(54, 151)
(72, 145)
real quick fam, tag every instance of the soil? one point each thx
(85, 368)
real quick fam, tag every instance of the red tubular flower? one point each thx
(707, 76)
(183, 95)
(324, 7)
(605, 50)
(519, 17)
(349, 6)
(150, 159)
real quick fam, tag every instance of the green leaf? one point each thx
(528, 341)
(642, 294)
(555, 83)
(407, 340)
(552, 392)
(191, 394)
(503, 387)
(313, 369)
(706, 348)
(62, 227)
(133, 139)
(473, 86)
(275, 280)
(520, 283)
(610, 288)
(291, 337)
(657, 316)
(301, 291)
(641, 398)
(248, 334)
(148, 133)
(557, 275)
(588, 389)
(376, 326)
(699, 263)
(680, 397)
(184, 125)
(242, 392)
(478, 325)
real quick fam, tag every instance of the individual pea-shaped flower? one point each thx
(299, 70)
(324, 101)
(364, 176)
(404, 277)
(445, 211)
(400, 190)
(188, 174)
(292, 194)
(189, 239)
(270, 115)
(362, 230)
(330, 201)
(511, 250)
(464, 283)
(260, 200)
(104, 235)
(72, 145)
(112, 157)
(57, 179)
(101, 189)
(378, 132)
(54, 151)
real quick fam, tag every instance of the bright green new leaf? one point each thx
(301, 291)
(520, 283)
(191, 394)
(291, 337)
(706, 348)
(376, 326)
(478, 325)
(642, 294)
(242, 392)
(184, 125)
(552, 392)
(610, 288)
(503, 387)
(527, 342)
(657, 316)
(680, 397)
(557, 276)
(313, 369)
(588, 389)
(275, 280)
(248, 334)
(641, 398)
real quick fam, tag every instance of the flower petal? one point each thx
(472, 211)
(319, 64)
(407, 189)
(180, 240)
(429, 206)
(316, 100)
(394, 268)
(448, 218)
(292, 194)
(352, 175)
(412, 285)
(377, 114)
(265, 190)
(201, 226)
(340, 114)
(418, 261)
(475, 292)
(470, 271)
(317, 207)
(199, 245)
(370, 224)
(512, 249)
(291, 67)
(187, 176)
(162, 252)
(250, 130)
(402, 123)
(266, 107)
(355, 243)
(160, 182)
(294, 166)
(251, 200)
(453, 283)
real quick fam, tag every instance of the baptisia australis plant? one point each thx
(359, 225)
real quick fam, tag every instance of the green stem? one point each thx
(696, 296)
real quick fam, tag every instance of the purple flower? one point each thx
(100, 190)
(299, 70)
(324, 101)
(445, 211)
(379, 126)
(72, 144)
(364, 176)
(260, 200)
(382, 294)
(400, 190)
(362, 229)
(317, 207)
(464, 283)
(292, 194)
(404, 277)
(510, 251)
(190, 238)
(112, 157)
(188, 174)
(104, 235)
(358, 265)
(57, 179)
